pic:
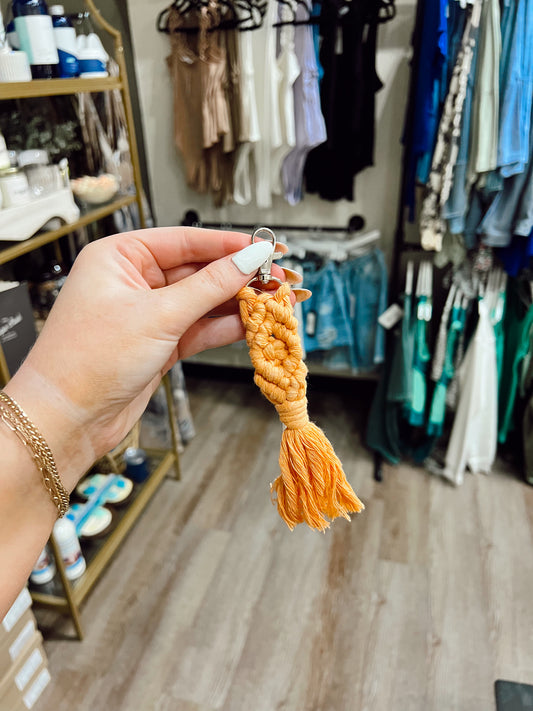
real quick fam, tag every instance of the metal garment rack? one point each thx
(192, 219)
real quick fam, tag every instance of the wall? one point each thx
(376, 188)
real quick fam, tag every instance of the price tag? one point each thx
(391, 316)
(310, 324)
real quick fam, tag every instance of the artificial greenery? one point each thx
(22, 132)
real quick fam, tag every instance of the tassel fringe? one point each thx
(312, 484)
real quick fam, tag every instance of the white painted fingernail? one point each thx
(249, 259)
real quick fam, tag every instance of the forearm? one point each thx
(27, 512)
(27, 515)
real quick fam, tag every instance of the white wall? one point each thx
(376, 188)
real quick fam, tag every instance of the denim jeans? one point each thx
(365, 280)
(515, 113)
(327, 308)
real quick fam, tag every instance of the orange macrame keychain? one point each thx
(312, 484)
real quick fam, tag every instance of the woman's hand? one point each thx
(132, 305)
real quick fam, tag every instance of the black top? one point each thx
(349, 85)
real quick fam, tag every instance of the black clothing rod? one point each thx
(192, 219)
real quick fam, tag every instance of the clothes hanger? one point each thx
(292, 18)
(387, 11)
(251, 14)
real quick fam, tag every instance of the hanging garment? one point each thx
(309, 121)
(327, 323)
(485, 113)
(508, 19)
(439, 354)
(347, 97)
(366, 288)
(473, 439)
(250, 131)
(515, 120)
(394, 391)
(511, 211)
(517, 256)
(438, 404)
(288, 71)
(456, 207)
(439, 89)
(518, 326)
(264, 60)
(227, 149)
(421, 358)
(317, 9)
(432, 225)
(432, 54)
(201, 116)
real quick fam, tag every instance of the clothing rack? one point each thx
(192, 219)
(400, 244)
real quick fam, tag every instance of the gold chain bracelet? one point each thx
(17, 421)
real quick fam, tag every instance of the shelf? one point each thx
(20, 248)
(99, 551)
(56, 87)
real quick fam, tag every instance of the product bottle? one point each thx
(11, 34)
(36, 36)
(65, 39)
(45, 569)
(69, 546)
(5, 162)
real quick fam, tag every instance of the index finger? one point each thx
(173, 246)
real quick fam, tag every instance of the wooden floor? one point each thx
(419, 604)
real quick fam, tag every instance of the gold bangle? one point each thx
(17, 421)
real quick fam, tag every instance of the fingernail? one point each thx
(249, 259)
(292, 277)
(302, 294)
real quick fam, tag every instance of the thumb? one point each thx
(218, 282)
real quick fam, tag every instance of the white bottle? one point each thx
(5, 163)
(44, 570)
(65, 39)
(69, 545)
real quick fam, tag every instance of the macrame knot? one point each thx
(293, 414)
(312, 483)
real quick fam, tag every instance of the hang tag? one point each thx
(339, 45)
(391, 316)
(352, 301)
(310, 324)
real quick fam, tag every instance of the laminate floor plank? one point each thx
(211, 604)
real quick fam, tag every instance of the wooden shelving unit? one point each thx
(68, 596)
(62, 594)
(56, 87)
(19, 248)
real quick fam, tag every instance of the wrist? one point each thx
(57, 420)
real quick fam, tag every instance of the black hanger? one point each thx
(387, 11)
(162, 20)
(241, 14)
(251, 13)
(292, 17)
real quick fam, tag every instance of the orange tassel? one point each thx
(312, 484)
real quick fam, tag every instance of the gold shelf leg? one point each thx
(172, 424)
(4, 370)
(126, 98)
(74, 610)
